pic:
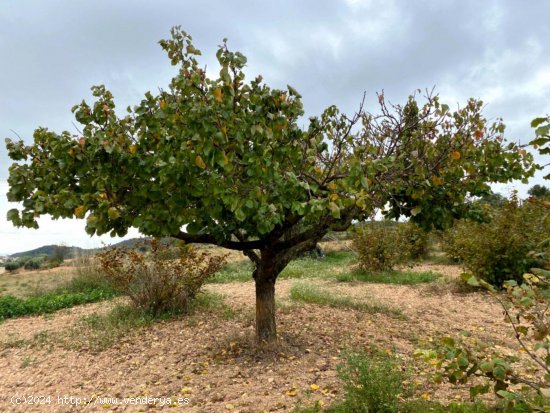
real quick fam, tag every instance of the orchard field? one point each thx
(378, 319)
(209, 357)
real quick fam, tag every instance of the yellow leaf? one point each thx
(162, 104)
(455, 155)
(436, 180)
(218, 94)
(333, 197)
(133, 149)
(79, 211)
(113, 213)
(229, 406)
(332, 186)
(291, 393)
(314, 387)
(199, 162)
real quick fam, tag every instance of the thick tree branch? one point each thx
(319, 230)
(209, 239)
(252, 255)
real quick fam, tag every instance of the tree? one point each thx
(493, 199)
(223, 161)
(59, 253)
(539, 191)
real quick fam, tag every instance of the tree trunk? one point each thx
(265, 276)
(266, 330)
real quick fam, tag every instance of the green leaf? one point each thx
(293, 92)
(543, 131)
(537, 121)
(13, 215)
(470, 280)
(506, 395)
(479, 389)
(499, 373)
(486, 366)
(539, 141)
(240, 215)
(541, 272)
(463, 362)
(334, 209)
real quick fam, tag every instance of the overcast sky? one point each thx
(331, 51)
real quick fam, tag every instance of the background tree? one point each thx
(223, 161)
(60, 252)
(539, 191)
(493, 199)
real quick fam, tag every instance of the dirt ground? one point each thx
(213, 364)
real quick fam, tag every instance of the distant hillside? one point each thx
(129, 243)
(50, 250)
(71, 252)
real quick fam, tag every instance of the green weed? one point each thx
(389, 277)
(314, 295)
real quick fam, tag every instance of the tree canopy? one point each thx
(539, 191)
(224, 161)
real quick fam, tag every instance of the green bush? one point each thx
(12, 266)
(33, 264)
(501, 249)
(379, 246)
(372, 383)
(155, 282)
(415, 239)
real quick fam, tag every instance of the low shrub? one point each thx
(155, 282)
(88, 276)
(33, 264)
(416, 240)
(12, 266)
(501, 249)
(379, 246)
(372, 383)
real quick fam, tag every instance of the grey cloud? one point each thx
(330, 51)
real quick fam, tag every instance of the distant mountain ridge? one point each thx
(50, 250)
(71, 252)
